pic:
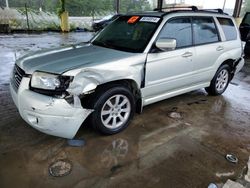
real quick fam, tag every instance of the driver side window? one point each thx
(179, 29)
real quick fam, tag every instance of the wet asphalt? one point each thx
(158, 149)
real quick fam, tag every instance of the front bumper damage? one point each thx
(50, 115)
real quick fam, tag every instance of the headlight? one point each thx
(46, 81)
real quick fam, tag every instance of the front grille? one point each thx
(18, 74)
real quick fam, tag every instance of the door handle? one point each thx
(187, 54)
(220, 48)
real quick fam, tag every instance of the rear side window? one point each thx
(228, 28)
(205, 31)
(179, 29)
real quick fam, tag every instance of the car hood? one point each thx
(64, 59)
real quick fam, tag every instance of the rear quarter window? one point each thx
(228, 28)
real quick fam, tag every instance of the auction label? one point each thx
(150, 19)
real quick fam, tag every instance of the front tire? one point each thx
(220, 81)
(114, 107)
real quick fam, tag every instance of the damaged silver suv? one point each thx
(136, 60)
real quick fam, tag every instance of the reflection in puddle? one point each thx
(217, 106)
(116, 151)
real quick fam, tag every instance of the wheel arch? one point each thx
(213, 89)
(232, 63)
(128, 83)
(229, 62)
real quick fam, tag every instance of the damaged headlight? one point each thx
(49, 84)
(43, 80)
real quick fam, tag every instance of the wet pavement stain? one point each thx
(115, 168)
(201, 101)
(154, 151)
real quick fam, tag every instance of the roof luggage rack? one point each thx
(218, 10)
(192, 8)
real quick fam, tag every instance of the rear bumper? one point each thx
(240, 65)
(47, 114)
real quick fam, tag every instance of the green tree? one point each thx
(245, 7)
(50, 5)
(46, 5)
(84, 7)
(134, 6)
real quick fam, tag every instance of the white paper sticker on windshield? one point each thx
(149, 19)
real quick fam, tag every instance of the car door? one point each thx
(208, 48)
(170, 71)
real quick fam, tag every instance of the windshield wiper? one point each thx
(103, 44)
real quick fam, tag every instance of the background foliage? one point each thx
(82, 7)
(246, 6)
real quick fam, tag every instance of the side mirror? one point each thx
(166, 44)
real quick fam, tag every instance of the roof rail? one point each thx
(220, 11)
(193, 8)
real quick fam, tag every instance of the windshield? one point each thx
(128, 33)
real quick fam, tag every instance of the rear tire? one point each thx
(114, 107)
(220, 81)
